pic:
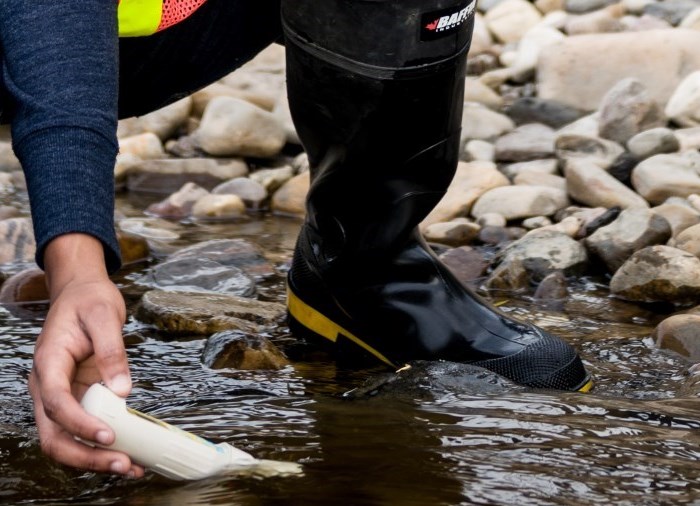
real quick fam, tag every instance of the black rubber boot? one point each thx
(376, 91)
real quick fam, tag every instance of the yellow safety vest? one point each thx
(138, 18)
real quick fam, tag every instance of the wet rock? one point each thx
(466, 263)
(680, 217)
(476, 150)
(628, 109)
(491, 220)
(683, 108)
(633, 230)
(591, 185)
(231, 126)
(272, 179)
(547, 112)
(531, 178)
(672, 11)
(564, 70)
(652, 142)
(602, 152)
(252, 193)
(457, 232)
(145, 146)
(28, 285)
(527, 142)
(680, 333)
(230, 252)
(515, 202)
(149, 228)
(480, 122)
(471, 181)
(133, 248)
(164, 122)
(16, 240)
(689, 240)
(658, 274)
(546, 166)
(290, 199)
(552, 287)
(663, 176)
(205, 314)
(511, 19)
(167, 176)
(535, 256)
(200, 275)
(179, 204)
(238, 350)
(218, 207)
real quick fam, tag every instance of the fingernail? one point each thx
(120, 384)
(131, 474)
(102, 437)
(116, 467)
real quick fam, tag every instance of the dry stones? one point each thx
(658, 274)
(527, 142)
(235, 127)
(145, 146)
(684, 105)
(689, 240)
(514, 202)
(291, 198)
(652, 142)
(633, 229)
(470, 182)
(164, 122)
(238, 350)
(511, 19)
(16, 240)
(591, 148)
(205, 314)
(628, 109)
(591, 185)
(457, 232)
(678, 216)
(480, 122)
(663, 176)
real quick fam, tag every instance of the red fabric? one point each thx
(175, 11)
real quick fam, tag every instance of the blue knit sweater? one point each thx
(60, 74)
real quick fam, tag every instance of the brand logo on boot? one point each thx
(437, 24)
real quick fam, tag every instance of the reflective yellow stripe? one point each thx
(139, 17)
(587, 387)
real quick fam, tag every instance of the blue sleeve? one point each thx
(60, 69)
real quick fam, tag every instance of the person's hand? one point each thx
(80, 344)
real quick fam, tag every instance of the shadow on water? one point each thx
(437, 435)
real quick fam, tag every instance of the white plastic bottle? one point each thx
(170, 451)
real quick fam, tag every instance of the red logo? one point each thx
(432, 26)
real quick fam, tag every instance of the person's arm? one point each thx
(60, 68)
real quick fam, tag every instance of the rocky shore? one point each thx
(579, 156)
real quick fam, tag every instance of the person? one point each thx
(375, 90)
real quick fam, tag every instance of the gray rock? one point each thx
(547, 112)
(663, 176)
(678, 216)
(536, 222)
(680, 333)
(238, 350)
(658, 274)
(589, 184)
(466, 263)
(182, 313)
(168, 176)
(552, 287)
(582, 6)
(527, 142)
(179, 204)
(480, 122)
(689, 240)
(683, 108)
(535, 256)
(633, 230)
(252, 193)
(238, 253)
(272, 179)
(652, 142)
(530, 178)
(602, 152)
(491, 220)
(546, 166)
(672, 11)
(514, 202)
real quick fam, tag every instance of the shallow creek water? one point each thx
(635, 439)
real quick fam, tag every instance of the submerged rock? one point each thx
(238, 350)
(205, 314)
(238, 253)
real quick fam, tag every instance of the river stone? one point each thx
(494, 235)
(527, 142)
(683, 108)
(145, 146)
(163, 122)
(547, 112)
(663, 176)
(589, 184)
(600, 21)
(272, 179)
(564, 70)
(547, 6)
(178, 205)
(466, 263)
(511, 19)
(457, 232)
(8, 160)
(149, 228)
(238, 350)
(281, 110)
(238, 253)
(658, 274)
(654, 141)
(16, 240)
(480, 122)
(218, 207)
(290, 199)
(603, 152)
(689, 240)
(583, 6)
(471, 181)
(476, 91)
(552, 287)
(525, 58)
(680, 217)
(133, 248)
(680, 333)
(167, 176)
(205, 314)
(476, 149)
(536, 222)
(530, 178)
(231, 126)
(628, 109)
(633, 230)
(201, 275)
(570, 226)
(252, 193)
(586, 126)
(258, 87)
(546, 166)
(201, 98)
(643, 23)
(535, 256)
(491, 220)
(28, 285)
(672, 11)
(515, 202)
